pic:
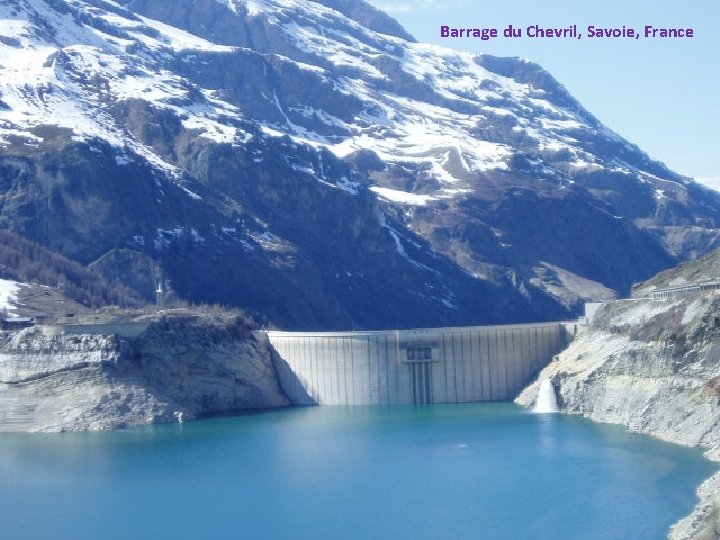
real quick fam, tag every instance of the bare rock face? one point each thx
(180, 367)
(653, 366)
(209, 368)
(650, 365)
(704, 522)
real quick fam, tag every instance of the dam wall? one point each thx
(434, 365)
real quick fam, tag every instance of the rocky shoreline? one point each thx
(177, 368)
(654, 367)
(651, 365)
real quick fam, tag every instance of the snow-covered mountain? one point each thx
(311, 162)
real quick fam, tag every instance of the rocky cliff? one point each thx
(653, 366)
(181, 366)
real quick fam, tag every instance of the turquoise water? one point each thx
(444, 471)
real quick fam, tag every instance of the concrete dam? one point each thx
(433, 365)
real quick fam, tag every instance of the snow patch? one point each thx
(403, 197)
(8, 294)
(176, 39)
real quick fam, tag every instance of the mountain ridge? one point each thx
(338, 165)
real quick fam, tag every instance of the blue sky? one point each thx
(663, 95)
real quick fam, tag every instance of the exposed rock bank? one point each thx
(653, 366)
(179, 367)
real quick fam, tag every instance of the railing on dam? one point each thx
(434, 365)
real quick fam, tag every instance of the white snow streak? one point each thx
(402, 196)
(8, 294)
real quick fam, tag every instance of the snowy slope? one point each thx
(98, 54)
(426, 105)
(480, 167)
(61, 68)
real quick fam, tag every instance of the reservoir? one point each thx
(406, 471)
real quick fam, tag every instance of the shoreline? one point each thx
(651, 366)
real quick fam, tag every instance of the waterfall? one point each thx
(546, 399)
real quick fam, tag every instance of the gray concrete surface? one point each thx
(434, 365)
